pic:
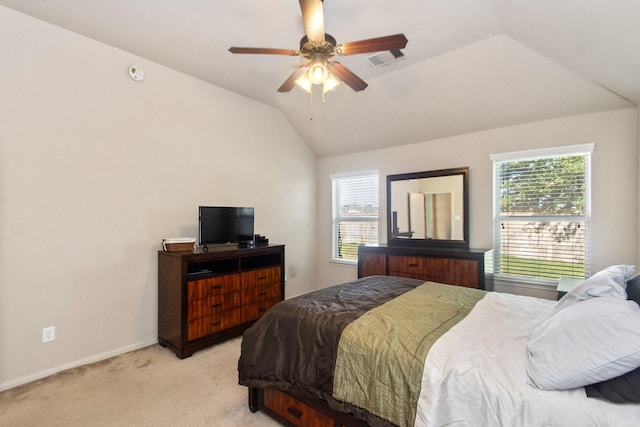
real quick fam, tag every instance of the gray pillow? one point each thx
(622, 389)
(633, 289)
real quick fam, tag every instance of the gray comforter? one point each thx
(293, 346)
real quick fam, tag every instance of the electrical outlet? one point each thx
(48, 334)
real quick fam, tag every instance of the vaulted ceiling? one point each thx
(469, 64)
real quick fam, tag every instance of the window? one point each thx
(355, 213)
(541, 214)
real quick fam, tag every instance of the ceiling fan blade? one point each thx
(291, 81)
(346, 76)
(378, 44)
(264, 51)
(313, 19)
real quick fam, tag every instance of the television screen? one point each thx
(222, 224)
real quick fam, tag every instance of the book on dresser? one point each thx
(208, 297)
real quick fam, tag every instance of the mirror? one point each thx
(429, 208)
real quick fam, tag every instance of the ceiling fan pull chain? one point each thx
(311, 104)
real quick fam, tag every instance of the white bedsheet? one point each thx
(475, 375)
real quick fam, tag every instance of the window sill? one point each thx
(343, 262)
(525, 282)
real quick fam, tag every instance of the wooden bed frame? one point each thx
(299, 411)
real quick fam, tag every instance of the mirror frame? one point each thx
(464, 243)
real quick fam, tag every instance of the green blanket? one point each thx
(381, 355)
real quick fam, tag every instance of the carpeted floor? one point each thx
(147, 387)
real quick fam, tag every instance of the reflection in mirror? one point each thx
(428, 208)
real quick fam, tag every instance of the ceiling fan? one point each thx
(317, 48)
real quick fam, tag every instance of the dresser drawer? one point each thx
(216, 322)
(226, 319)
(372, 264)
(416, 267)
(216, 304)
(261, 293)
(203, 288)
(254, 311)
(452, 271)
(413, 264)
(225, 302)
(295, 412)
(224, 284)
(198, 289)
(199, 308)
(198, 328)
(261, 276)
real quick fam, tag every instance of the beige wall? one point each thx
(95, 169)
(614, 176)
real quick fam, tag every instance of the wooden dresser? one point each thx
(207, 297)
(462, 267)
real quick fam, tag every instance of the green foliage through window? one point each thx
(541, 227)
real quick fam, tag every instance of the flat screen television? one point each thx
(224, 224)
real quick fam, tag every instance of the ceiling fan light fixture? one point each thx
(329, 84)
(318, 73)
(304, 83)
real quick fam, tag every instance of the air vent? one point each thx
(385, 58)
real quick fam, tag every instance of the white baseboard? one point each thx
(91, 359)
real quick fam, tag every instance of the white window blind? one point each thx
(355, 214)
(541, 220)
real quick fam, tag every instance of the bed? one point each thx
(391, 351)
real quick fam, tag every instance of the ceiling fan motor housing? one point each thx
(310, 49)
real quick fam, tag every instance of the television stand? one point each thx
(208, 297)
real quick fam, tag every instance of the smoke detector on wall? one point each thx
(136, 73)
(385, 58)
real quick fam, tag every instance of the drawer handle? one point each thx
(262, 277)
(215, 305)
(295, 412)
(262, 294)
(215, 323)
(216, 287)
(413, 265)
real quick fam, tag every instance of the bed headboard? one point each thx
(633, 289)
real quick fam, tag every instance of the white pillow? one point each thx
(585, 343)
(610, 282)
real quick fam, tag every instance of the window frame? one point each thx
(585, 150)
(336, 218)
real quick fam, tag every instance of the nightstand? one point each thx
(565, 284)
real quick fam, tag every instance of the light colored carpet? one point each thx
(147, 387)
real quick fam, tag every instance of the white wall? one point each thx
(614, 177)
(96, 168)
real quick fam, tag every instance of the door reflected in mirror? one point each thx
(428, 207)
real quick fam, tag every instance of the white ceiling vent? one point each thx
(385, 58)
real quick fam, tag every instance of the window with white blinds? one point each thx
(355, 214)
(541, 214)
